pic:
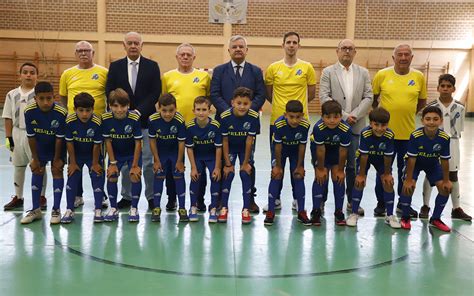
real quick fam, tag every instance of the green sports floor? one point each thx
(172, 258)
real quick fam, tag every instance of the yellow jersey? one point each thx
(74, 81)
(399, 95)
(289, 83)
(185, 88)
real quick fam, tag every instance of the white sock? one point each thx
(455, 196)
(426, 192)
(19, 180)
(45, 182)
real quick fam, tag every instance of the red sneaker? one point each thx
(440, 225)
(405, 223)
(222, 218)
(269, 218)
(246, 218)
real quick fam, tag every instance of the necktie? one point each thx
(238, 78)
(134, 75)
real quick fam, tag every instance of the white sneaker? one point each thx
(68, 217)
(32, 216)
(55, 217)
(79, 201)
(352, 220)
(392, 221)
(277, 205)
(360, 210)
(98, 218)
(294, 205)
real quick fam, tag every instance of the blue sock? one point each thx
(157, 190)
(356, 198)
(58, 185)
(136, 191)
(317, 194)
(338, 195)
(378, 188)
(405, 202)
(98, 188)
(181, 191)
(440, 202)
(299, 193)
(273, 193)
(389, 198)
(226, 185)
(194, 190)
(71, 189)
(215, 189)
(36, 186)
(112, 191)
(246, 188)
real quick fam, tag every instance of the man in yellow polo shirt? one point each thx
(186, 83)
(84, 77)
(402, 91)
(289, 79)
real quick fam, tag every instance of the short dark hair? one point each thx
(331, 107)
(119, 96)
(29, 64)
(166, 100)
(447, 77)
(379, 115)
(83, 100)
(202, 100)
(288, 34)
(43, 87)
(294, 106)
(432, 109)
(243, 92)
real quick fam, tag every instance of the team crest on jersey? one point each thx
(299, 72)
(336, 138)
(128, 129)
(211, 134)
(95, 76)
(382, 146)
(436, 147)
(54, 123)
(90, 132)
(411, 82)
(173, 129)
(298, 136)
(196, 80)
(247, 125)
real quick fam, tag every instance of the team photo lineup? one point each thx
(133, 124)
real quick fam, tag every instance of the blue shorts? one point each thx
(168, 163)
(433, 173)
(331, 158)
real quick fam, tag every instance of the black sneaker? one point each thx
(155, 215)
(340, 219)
(171, 205)
(413, 213)
(183, 215)
(424, 212)
(316, 217)
(124, 204)
(253, 208)
(458, 213)
(201, 207)
(303, 218)
(380, 210)
(269, 218)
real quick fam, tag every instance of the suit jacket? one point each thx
(224, 83)
(331, 87)
(147, 89)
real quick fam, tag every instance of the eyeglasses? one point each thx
(83, 50)
(347, 49)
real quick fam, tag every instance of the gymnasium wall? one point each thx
(45, 31)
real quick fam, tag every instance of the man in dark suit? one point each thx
(140, 78)
(227, 77)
